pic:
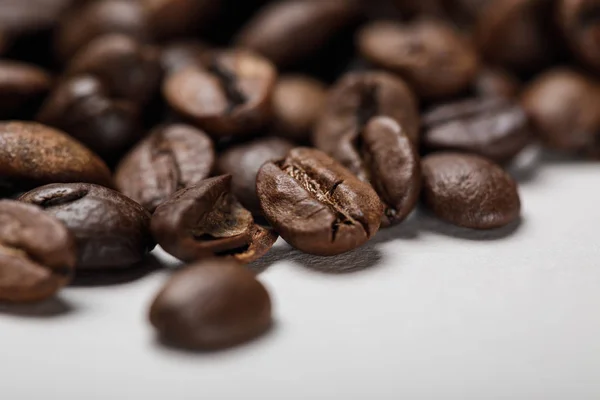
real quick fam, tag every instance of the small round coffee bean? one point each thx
(316, 204)
(431, 56)
(206, 220)
(21, 85)
(211, 304)
(243, 161)
(289, 31)
(173, 157)
(33, 154)
(564, 107)
(230, 96)
(493, 127)
(495, 82)
(469, 191)
(297, 102)
(111, 230)
(184, 53)
(176, 18)
(37, 253)
(580, 25)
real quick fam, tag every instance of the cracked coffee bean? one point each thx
(173, 157)
(37, 253)
(316, 204)
(21, 86)
(469, 191)
(580, 24)
(493, 127)
(207, 220)
(111, 230)
(211, 304)
(230, 96)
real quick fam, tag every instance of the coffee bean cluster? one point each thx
(212, 127)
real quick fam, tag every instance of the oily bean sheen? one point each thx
(211, 304)
(32, 154)
(37, 253)
(434, 58)
(229, 96)
(206, 220)
(580, 23)
(493, 127)
(289, 31)
(243, 161)
(111, 230)
(173, 157)
(469, 190)
(21, 85)
(316, 204)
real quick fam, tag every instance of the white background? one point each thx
(425, 311)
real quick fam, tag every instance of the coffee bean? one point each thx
(24, 17)
(206, 220)
(21, 85)
(37, 253)
(230, 96)
(316, 204)
(211, 304)
(184, 53)
(173, 157)
(82, 106)
(289, 31)
(111, 230)
(297, 103)
(359, 96)
(33, 154)
(469, 191)
(129, 69)
(493, 127)
(580, 25)
(435, 59)
(172, 18)
(564, 107)
(244, 161)
(495, 82)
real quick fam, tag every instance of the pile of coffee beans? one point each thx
(212, 127)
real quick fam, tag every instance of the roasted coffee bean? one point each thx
(129, 69)
(316, 204)
(180, 54)
(493, 127)
(24, 17)
(170, 18)
(173, 157)
(359, 96)
(431, 56)
(21, 85)
(564, 107)
(211, 304)
(470, 191)
(495, 82)
(33, 154)
(242, 162)
(230, 96)
(289, 31)
(580, 25)
(297, 102)
(206, 220)
(37, 253)
(82, 106)
(92, 19)
(111, 230)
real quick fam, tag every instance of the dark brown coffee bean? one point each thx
(206, 220)
(495, 82)
(23, 17)
(111, 230)
(129, 69)
(230, 96)
(173, 157)
(580, 24)
(430, 55)
(289, 31)
(211, 304)
(297, 102)
(184, 53)
(357, 97)
(316, 204)
(170, 18)
(564, 107)
(493, 127)
(469, 191)
(242, 162)
(37, 253)
(82, 106)
(21, 85)
(33, 154)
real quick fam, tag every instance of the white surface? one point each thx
(434, 316)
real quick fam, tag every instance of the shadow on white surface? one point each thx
(51, 308)
(91, 278)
